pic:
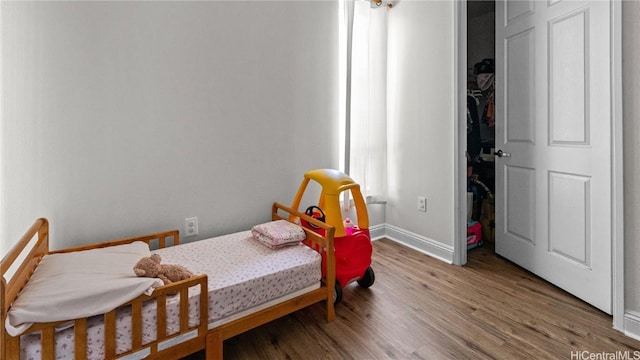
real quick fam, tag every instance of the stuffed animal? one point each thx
(151, 267)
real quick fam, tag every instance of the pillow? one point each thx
(279, 233)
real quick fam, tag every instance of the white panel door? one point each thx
(553, 112)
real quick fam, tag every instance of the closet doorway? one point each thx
(480, 123)
(559, 197)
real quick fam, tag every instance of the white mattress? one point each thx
(243, 275)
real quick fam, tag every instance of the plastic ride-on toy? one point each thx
(352, 245)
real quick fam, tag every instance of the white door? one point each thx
(553, 113)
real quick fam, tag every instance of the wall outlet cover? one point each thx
(191, 226)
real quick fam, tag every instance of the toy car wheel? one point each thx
(337, 293)
(368, 278)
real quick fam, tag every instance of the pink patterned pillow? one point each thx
(279, 233)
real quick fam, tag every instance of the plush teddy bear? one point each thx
(151, 267)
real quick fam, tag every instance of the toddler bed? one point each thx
(241, 284)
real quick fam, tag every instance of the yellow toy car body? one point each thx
(353, 248)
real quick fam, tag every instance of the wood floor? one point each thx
(422, 308)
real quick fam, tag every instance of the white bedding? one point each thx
(80, 284)
(242, 275)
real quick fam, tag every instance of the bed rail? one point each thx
(20, 262)
(191, 338)
(157, 240)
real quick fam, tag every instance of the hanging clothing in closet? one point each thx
(485, 78)
(485, 82)
(474, 142)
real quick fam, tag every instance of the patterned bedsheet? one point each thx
(242, 274)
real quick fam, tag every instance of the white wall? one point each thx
(120, 118)
(421, 67)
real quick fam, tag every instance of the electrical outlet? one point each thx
(191, 226)
(422, 203)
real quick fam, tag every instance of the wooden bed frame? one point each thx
(34, 244)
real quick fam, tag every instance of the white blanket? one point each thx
(80, 284)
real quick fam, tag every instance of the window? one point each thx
(363, 42)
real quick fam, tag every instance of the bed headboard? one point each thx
(14, 275)
(20, 262)
(13, 279)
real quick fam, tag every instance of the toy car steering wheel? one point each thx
(316, 213)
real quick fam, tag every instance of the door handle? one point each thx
(501, 153)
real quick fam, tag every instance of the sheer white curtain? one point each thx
(367, 121)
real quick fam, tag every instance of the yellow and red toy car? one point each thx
(352, 245)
